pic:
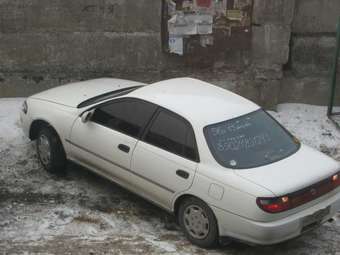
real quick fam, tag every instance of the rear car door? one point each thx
(166, 156)
(106, 142)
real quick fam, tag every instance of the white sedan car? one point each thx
(220, 163)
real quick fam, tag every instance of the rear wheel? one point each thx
(50, 151)
(198, 223)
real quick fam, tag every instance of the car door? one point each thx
(106, 142)
(167, 156)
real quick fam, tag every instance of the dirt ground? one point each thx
(81, 213)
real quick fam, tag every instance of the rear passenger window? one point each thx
(174, 134)
(128, 116)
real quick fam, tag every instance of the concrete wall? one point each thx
(313, 40)
(272, 21)
(47, 43)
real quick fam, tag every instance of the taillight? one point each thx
(336, 179)
(274, 205)
(290, 201)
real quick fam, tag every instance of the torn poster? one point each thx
(217, 24)
(190, 24)
(206, 40)
(176, 44)
(179, 24)
(171, 7)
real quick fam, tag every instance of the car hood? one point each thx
(304, 168)
(74, 93)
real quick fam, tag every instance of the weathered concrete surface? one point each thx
(125, 16)
(273, 11)
(45, 44)
(260, 86)
(271, 35)
(308, 90)
(313, 43)
(313, 55)
(66, 52)
(270, 44)
(23, 84)
(316, 16)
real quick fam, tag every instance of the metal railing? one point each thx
(330, 112)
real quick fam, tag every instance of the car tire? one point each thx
(50, 151)
(198, 222)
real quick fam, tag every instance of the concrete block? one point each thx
(312, 55)
(269, 93)
(79, 51)
(273, 11)
(316, 16)
(248, 89)
(308, 90)
(23, 84)
(270, 45)
(80, 16)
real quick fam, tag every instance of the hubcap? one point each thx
(196, 222)
(44, 150)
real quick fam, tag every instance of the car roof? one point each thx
(200, 102)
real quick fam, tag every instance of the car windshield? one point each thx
(252, 140)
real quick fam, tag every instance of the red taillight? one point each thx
(274, 205)
(290, 201)
(336, 179)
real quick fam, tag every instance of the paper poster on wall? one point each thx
(176, 44)
(190, 24)
(214, 24)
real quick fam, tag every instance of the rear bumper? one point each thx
(267, 233)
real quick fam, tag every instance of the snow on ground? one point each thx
(310, 124)
(83, 213)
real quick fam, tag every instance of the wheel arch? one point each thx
(183, 197)
(176, 210)
(36, 125)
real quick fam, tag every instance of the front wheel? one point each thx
(198, 223)
(50, 151)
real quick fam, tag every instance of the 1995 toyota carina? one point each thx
(219, 162)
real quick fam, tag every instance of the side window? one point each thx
(128, 116)
(173, 134)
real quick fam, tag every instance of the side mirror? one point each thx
(86, 116)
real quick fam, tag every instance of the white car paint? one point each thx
(84, 90)
(231, 194)
(304, 168)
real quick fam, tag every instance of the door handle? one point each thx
(124, 148)
(182, 173)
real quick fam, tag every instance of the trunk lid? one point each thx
(303, 169)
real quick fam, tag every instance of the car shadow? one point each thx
(113, 198)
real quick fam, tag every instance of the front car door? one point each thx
(106, 142)
(166, 156)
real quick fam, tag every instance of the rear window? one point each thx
(252, 140)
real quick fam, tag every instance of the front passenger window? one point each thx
(128, 116)
(174, 134)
